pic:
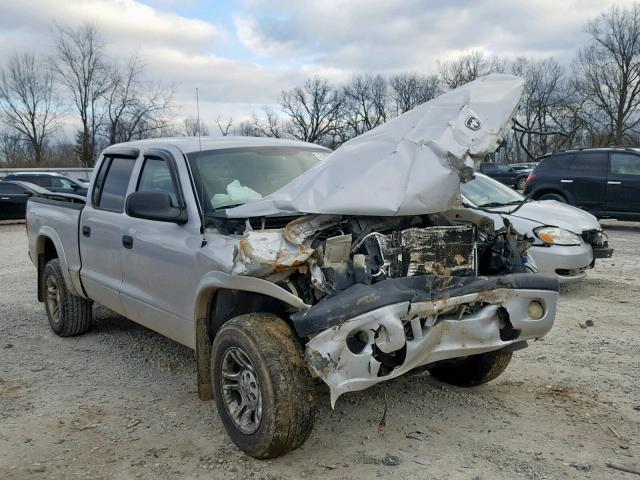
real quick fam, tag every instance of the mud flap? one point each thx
(203, 360)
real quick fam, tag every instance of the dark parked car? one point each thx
(603, 181)
(54, 182)
(14, 196)
(505, 174)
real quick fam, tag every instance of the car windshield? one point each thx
(483, 191)
(234, 176)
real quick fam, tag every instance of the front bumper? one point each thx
(417, 332)
(566, 263)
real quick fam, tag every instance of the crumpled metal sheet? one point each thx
(410, 165)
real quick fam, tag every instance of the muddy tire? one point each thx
(472, 370)
(68, 314)
(262, 387)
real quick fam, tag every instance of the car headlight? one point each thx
(557, 236)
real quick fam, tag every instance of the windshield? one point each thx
(483, 191)
(234, 176)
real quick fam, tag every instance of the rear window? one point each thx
(114, 187)
(594, 163)
(625, 164)
(11, 189)
(555, 162)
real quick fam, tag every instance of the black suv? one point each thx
(603, 181)
(504, 174)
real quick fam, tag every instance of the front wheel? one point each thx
(263, 390)
(472, 370)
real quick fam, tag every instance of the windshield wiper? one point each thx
(500, 204)
(224, 207)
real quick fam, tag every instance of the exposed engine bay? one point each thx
(318, 255)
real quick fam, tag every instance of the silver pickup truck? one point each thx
(230, 246)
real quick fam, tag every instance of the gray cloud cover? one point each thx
(283, 41)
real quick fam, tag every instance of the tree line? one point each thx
(591, 102)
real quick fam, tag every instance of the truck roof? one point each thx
(195, 144)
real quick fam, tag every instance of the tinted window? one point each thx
(11, 188)
(502, 168)
(41, 180)
(555, 162)
(97, 185)
(594, 163)
(156, 177)
(625, 164)
(115, 184)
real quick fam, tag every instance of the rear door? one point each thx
(159, 260)
(623, 183)
(586, 180)
(13, 201)
(101, 232)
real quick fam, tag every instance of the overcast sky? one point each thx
(242, 54)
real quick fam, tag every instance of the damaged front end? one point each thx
(389, 294)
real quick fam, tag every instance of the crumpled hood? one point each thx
(558, 214)
(410, 165)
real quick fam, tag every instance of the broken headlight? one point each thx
(557, 236)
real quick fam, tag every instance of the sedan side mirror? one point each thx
(154, 206)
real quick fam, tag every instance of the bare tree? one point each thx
(468, 67)
(13, 152)
(224, 128)
(83, 70)
(409, 90)
(28, 101)
(544, 105)
(313, 110)
(194, 128)
(269, 126)
(364, 103)
(608, 73)
(135, 108)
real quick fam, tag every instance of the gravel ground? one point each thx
(120, 401)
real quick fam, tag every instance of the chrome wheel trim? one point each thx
(241, 393)
(53, 298)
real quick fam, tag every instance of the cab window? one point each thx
(113, 189)
(156, 177)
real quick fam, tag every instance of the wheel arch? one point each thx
(221, 297)
(48, 246)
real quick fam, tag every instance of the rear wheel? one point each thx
(552, 196)
(263, 390)
(68, 314)
(520, 183)
(472, 370)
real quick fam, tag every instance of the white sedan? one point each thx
(567, 240)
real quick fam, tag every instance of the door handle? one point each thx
(86, 231)
(127, 241)
(611, 182)
(5, 198)
(566, 181)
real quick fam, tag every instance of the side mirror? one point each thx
(154, 206)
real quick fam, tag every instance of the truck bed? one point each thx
(57, 217)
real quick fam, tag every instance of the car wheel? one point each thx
(68, 314)
(263, 390)
(520, 183)
(472, 370)
(552, 196)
